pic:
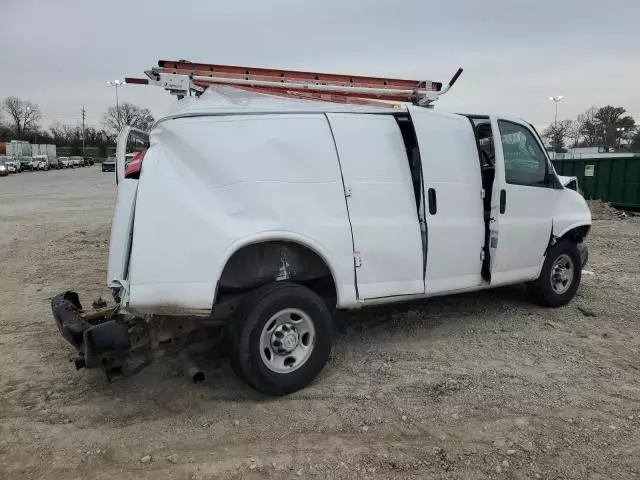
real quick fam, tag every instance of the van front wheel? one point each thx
(282, 338)
(560, 276)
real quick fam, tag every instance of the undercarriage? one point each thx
(123, 344)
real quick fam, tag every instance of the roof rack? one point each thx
(184, 78)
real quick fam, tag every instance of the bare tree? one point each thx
(635, 142)
(557, 132)
(590, 128)
(5, 132)
(24, 115)
(114, 119)
(65, 134)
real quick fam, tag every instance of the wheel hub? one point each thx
(287, 340)
(562, 274)
(284, 339)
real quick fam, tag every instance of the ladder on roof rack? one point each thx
(183, 78)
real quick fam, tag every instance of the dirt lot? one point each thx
(474, 386)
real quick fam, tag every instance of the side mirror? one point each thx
(552, 181)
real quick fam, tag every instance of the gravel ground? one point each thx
(482, 385)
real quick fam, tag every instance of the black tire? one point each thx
(246, 329)
(541, 290)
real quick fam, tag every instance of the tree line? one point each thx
(19, 120)
(608, 128)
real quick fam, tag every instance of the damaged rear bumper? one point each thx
(97, 335)
(123, 344)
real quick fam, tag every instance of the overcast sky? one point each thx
(516, 53)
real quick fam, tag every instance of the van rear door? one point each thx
(123, 215)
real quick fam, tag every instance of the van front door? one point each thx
(522, 203)
(381, 203)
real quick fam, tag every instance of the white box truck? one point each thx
(286, 206)
(18, 148)
(51, 152)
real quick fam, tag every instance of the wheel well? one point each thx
(576, 234)
(257, 264)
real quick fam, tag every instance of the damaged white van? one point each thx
(269, 198)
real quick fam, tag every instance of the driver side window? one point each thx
(524, 161)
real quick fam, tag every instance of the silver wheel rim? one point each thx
(562, 274)
(287, 340)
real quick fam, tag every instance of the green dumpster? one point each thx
(613, 180)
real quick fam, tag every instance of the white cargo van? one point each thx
(260, 214)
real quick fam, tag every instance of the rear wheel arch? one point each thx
(254, 264)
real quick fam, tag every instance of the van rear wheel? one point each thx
(560, 276)
(282, 336)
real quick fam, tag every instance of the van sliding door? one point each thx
(382, 207)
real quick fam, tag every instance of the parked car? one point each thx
(40, 162)
(128, 158)
(4, 169)
(89, 161)
(12, 165)
(64, 162)
(285, 209)
(26, 163)
(109, 164)
(54, 163)
(132, 170)
(77, 161)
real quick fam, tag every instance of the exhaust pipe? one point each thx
(194, 372)
(80, 362)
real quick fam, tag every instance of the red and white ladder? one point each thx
(183, 78)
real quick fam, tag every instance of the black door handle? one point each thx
(503, 201)
(433, 205)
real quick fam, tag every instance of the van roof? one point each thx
(225, 100)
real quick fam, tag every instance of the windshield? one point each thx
(110, 159)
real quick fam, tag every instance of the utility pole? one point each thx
(84, 114)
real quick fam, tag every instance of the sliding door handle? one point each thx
(433, 202)
(503, 201)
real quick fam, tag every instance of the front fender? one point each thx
(571, 212)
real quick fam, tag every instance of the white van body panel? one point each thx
(121, 228)
(571, 211)
(382, 206)
(260, 168)
(455, 233)
(212, 184)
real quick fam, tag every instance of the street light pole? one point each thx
(116, 84)
(556, 100)
(620, 131)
